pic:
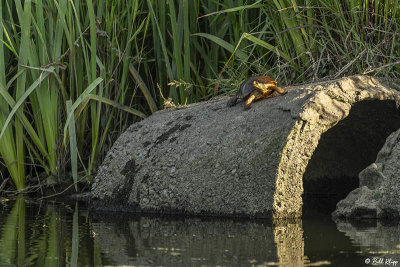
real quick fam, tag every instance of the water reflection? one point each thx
(12, 230)
(288, 236)
(65, 235)
(185, 241)
(48, 235)
(374, 237)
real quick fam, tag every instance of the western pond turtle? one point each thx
(256, 88)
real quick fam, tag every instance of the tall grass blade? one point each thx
(234, 9)
(7, 143)
(224, 44)
(72, 145)
(117, 105)
(176, 41)
(163, 47)
(25, 22)
(143, 88)
(186, 40)
(266, 45)
(77, 102)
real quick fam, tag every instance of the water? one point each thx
(59, 234)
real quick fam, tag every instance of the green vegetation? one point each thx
(83, 71)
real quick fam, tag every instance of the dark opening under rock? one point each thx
(345, 150)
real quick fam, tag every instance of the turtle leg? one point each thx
(232, 101)
(265, 95)
(279, 90)
(249, 100)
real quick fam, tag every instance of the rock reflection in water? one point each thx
(288, 236)
(185, 241)
(375, 238)
(202, 242)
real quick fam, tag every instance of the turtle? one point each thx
(256, 88)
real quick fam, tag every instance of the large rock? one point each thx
(207, 158)
(378, 194)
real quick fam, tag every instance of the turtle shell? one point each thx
(247, 87)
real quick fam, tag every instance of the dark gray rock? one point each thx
(372, 176)
(378, 195)
(207, 158)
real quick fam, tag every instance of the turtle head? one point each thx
(265, 86)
